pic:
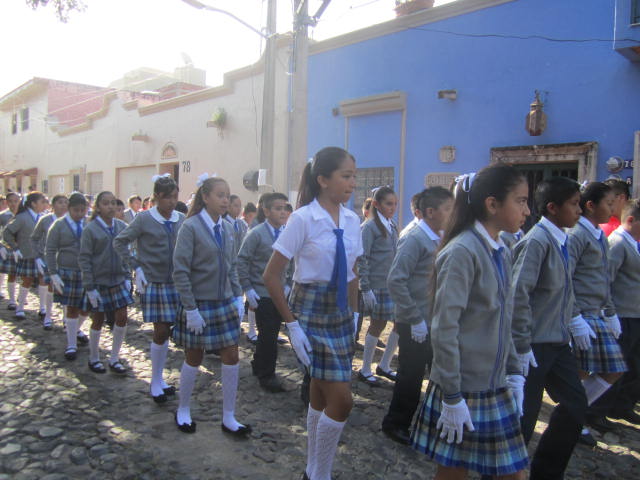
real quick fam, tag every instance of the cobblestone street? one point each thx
(58, 420)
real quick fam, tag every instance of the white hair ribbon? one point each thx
(203, 177)
(583, 185)
(155, 178)
(465, 181)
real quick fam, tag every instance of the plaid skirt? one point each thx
(605, 354)
(330, 331)
(8, 266)
(160, 303)
(113, 298)
(27, 269)
(222, 326)
(73, 291)
(496, 447)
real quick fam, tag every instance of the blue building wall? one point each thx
(591, 92)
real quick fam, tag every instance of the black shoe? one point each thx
(159, 399)
(381, 344)
(628, 416)
(252, 340)
(82, 339)
(242, 432)
(369, 380)
(272, 384)
(601, 424)
(97, 367)
(398, 434)
(169, 391)
(185, 428)
(11, 306)
(391, 375)
(70, 353)
(359, 347)
(588, 440)
(117, 367)
(305, 476)
(42, 313)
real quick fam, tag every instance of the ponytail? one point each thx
(379, 196)
(94, 210)
(29, 200)
(324, 163)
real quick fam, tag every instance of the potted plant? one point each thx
(407, 7)
(139, 136)
(218, 119)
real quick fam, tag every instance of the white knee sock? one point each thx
(81, 319)
(251, 319)
(22, 298)
(118, 337)
(187, 381)
(11, 290)
(49, 303)
(327, 437)
(43, 291)
(94, 348)
(164, 351)
(370, 343)
(2, 275)
(230, 375)
(595, 386)
(312, 428)
(157, 367)
(389, 352)
(72, 333)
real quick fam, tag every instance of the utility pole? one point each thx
(269, 93)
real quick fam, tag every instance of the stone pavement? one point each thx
(60, 421)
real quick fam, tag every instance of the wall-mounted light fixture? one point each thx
(536, 121)
(448, 94)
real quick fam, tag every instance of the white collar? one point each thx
(272, 229)
(595, 231)
(483, 232)
(157, 216)
(71, 221)
(104, 224)
(385, 221)
(318, 212)
(427, 229)
(208, 220)
(558, 235)
(627, 236)
(33, 214)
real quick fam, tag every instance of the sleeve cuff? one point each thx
(283, 251)
(452, 398)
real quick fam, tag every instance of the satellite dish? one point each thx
(186, 59)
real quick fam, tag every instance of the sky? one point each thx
(112, 37)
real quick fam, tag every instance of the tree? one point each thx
(63, 8)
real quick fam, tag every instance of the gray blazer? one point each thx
(201, 270)
(409, 279)
(62, 246)
(129, 216)
(39, 235)
(17, 234)
(99, 263)
(5, 217)
(375, 262)
(239, 234)
(253, 257)
(624, 269)
(542, 290)
(155, 245)
(590, 273)
(471, 323)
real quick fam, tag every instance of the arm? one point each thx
(363, 260)
(246, 253)
(9, 233)
(609, 307)
(51, 249)
(402, 267)
(127, 236)
(272, 277)
(575, 247)
(38, 234)
(352, 290)
(233, 274)
(84, 260)
(182, 258)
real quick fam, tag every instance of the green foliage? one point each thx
(63, 8)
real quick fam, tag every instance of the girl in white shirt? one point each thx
(324, 238)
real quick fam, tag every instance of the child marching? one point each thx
(155, 231)
(8, 263)
(324, 239)
(206, 278)
(105, 279)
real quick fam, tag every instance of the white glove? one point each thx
(57, 283)
(453, 419)
(252, 298)
(239, 301)
(419, 332)
(94, 298)
(299, 342)
(287, 291)
(3, 253)
(526, 360)
(515, 383)
(195, 322)
(613, 324)
(356, 317)
(40, 265)
(581, 333)
(369, 299)
(17, 255)
(127, 285)
(141, 281)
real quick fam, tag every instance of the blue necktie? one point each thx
(276, 233)
(168, 224)
(638, 245)
(111, 231)
(216, 231)
(565, 252)
(497, 258)
(235, 226)
(79, 228)
(339, 275)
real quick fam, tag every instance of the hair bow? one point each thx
(203, 177)
(155, 178)
(583, 185)
(465, 181)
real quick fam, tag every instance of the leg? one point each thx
(119, 330)
(268, 321)
(71, 322)
(11, 290)
(251, 320)
(158, 352)
(534, 388)
(193, 359)
(22, 296)
(450, 473)
(629, 390)
(389, 352)
(371, 340)
(230, 375)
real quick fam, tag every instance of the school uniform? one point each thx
(101, 267)
(409, 283)
(239, 231)
(8, 265)
(510, 239)
(129, 215)
(589, 250)
(155, 237)
(473, 352)
(17, 235)
(39, 237)
(206, 278)
(311, 238)
(255, 252)
(62, 248)
(543, 306)
(409, 226)
(373, 266)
